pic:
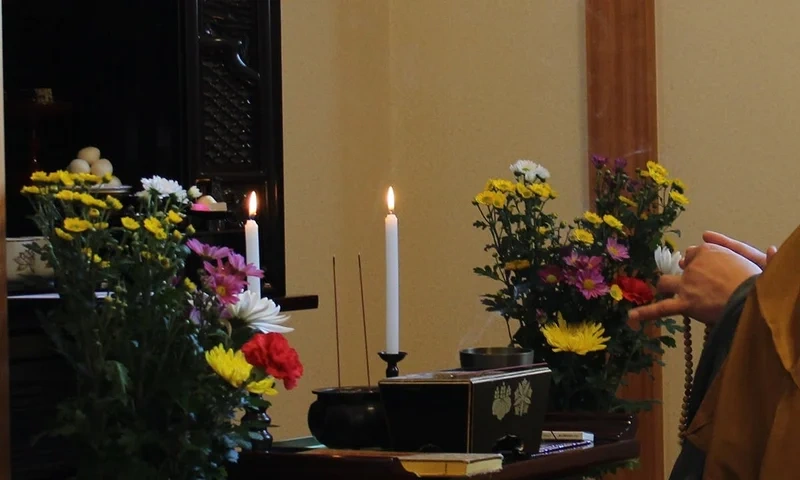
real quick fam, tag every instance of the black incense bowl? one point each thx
(490, 358)
(349, 418)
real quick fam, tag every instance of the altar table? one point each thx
(293, 466)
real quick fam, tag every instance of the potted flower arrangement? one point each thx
(566, 287)
(163, 358)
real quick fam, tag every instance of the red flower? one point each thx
(272, 353)
(551, 274)
(635, 290)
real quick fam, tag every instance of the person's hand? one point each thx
(711, 275)
(751, 253)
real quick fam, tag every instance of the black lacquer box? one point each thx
(466, 411)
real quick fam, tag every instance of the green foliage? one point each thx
(538, 260)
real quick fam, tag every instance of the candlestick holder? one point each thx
(392, 359)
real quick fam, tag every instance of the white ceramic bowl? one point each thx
(21, 262)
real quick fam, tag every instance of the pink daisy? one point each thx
(237, 263)
(591, 284)
(616, 250)
(207, 251)
(551, 274)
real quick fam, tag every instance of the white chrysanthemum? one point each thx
(530, 170)
(164, 187)
(260, 314)
(668, 263)
(194, 192)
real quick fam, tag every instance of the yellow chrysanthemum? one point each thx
(65, 195)
(613, 222)
(174, 217)
(113, 203)
(670, 243)
(593, 218)
(161, 235)
(541, 190)
(177, 235)
(190, 285)
(76, 225)
(190, 230)
(678, 198)
(85, 178)
(678, 184)
(153, 225)
(129, 223)
(63, 235)
(504, 185)
(146, 255)
(580, 338)
(164, 261)
(543, 229)
(230, 365)
(64, 177)
(659, 179)
(90, 201)
(499, 200)
(263, 387)
(485, 198)
(31, 190)
(40, 177)
(582, 236)
(524, 191)
(100, 225)
(108, 177)
(514, 265)
(553, 193)
(615, 292)
(93, 212)
(656, 169)
(627, 201)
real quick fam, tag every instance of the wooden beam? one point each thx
(5, 434)
(622, 122)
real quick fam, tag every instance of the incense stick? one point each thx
(364, 320)
(336, 316)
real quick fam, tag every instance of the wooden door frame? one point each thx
(622, 122)
(5, 434)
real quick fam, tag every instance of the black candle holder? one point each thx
(392, 359)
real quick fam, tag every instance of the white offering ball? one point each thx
(206, 200)
(79, 166)
(90, 154)
(115, 182)
(102, 167)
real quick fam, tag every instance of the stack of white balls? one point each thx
(89, 161)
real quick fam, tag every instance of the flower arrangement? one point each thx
(567, 286)
(164, 361)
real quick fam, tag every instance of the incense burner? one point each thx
(348, 417)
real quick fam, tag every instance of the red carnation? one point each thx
(272, 353)
(635, 290)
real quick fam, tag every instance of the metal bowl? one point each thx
(488, 358)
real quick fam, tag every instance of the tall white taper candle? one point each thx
(392, 279)
(252, 252)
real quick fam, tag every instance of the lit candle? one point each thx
(251, 245)
(392, 279)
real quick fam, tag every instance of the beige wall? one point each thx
(729, 108)
(432, 96)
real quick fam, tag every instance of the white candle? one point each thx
(392, 279)
(252, 252)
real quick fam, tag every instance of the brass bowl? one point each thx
(490, 358)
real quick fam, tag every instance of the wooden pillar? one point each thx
(622, 122)
(5, 436)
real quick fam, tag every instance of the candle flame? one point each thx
(390, 199)
(253, 207)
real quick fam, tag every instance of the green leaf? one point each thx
(117, 374)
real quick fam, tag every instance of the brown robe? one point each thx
(749, 421)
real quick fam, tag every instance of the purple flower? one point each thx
(237, 263)
(591, 284)
(225, 287)
(207, 251)
(616, 250)
(583, 262)
(620, 163)
(598, 161)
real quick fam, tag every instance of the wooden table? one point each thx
(292, 466)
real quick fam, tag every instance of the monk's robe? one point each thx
(749, 419)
